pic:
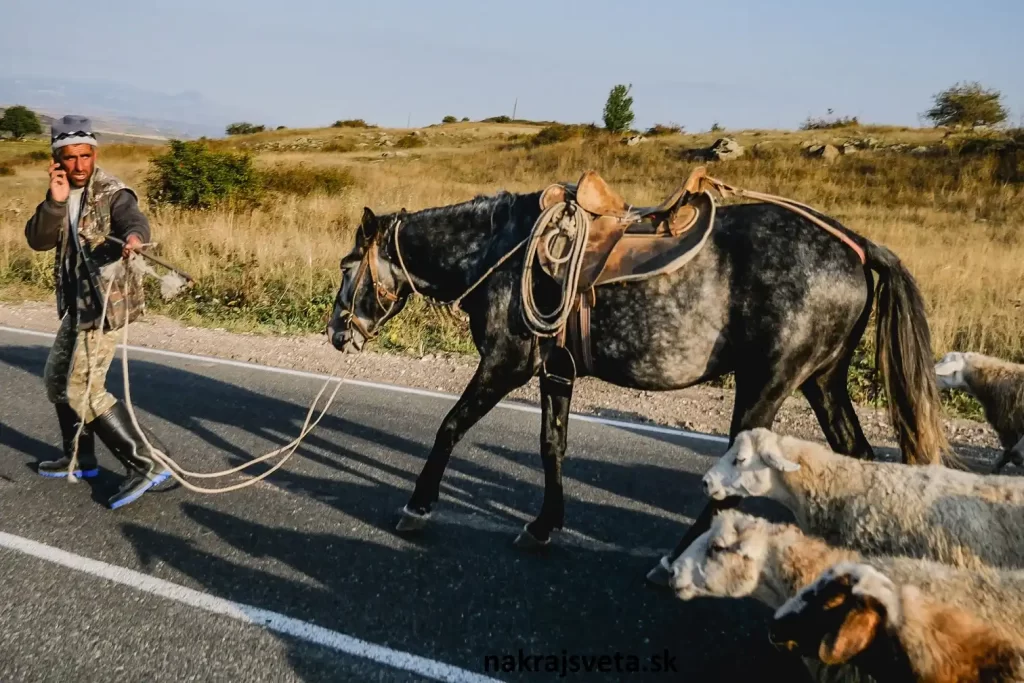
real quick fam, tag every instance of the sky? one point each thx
(743, 63)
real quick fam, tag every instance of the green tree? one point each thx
(967, 104)
(618, 110)
(449, 119)
(20, 121)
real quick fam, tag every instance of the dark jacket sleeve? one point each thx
(43, 229)
(126, 218)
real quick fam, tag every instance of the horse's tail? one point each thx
(904, 358)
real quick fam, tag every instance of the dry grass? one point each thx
(960, 231)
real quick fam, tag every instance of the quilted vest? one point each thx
(104, 264)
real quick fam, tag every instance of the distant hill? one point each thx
(121, 109)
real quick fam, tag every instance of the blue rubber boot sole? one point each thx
(81, 474)
(137, 493)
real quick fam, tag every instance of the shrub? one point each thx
(618, 109)
(192, 176)
(6, 170)
(560, 132)
(498, 119)
(20, 121)
(827, 123)
(410, 141)
(304, 181)
(659, 129)
(465, 118)
(352, 123)
(244, 128)
(967, 105)
(449, 119)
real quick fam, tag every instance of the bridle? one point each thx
(368, 264)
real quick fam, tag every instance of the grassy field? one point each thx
(274, 267)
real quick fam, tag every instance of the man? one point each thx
(83, 206)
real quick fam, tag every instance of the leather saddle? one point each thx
(626, 242)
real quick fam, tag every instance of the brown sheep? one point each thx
(855, 614)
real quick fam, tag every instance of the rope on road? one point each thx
(176, 470)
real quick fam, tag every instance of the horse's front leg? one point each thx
(556, 385)
(496, 376)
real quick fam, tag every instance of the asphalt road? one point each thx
(315, 542)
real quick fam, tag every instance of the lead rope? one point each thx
(165, 460)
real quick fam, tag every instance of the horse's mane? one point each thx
(483, 205)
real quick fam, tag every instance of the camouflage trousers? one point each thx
(76, 369)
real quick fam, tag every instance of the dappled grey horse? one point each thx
(770, 297)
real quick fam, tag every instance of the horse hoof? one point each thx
(527, 541)
(661, 574)
(410, 521)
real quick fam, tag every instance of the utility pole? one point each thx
(514, 109)
(408, 121)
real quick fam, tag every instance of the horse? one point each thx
(771, 297)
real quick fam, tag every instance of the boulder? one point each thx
(827, 152)
(724, 149)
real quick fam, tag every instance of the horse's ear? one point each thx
(368, 224)
(369, 218)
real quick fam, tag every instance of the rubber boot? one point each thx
(116, 430)
(87, 466)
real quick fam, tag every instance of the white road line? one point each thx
(394, 387)
(274, 621)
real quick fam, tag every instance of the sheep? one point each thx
(741, 555)
(999, 387)
(893, 631)
(926, 511)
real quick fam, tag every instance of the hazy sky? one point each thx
(742, 63)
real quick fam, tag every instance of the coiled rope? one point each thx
(162, 458)
(574, 225)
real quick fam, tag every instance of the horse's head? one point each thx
(372, 289)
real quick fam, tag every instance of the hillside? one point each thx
(950, 205)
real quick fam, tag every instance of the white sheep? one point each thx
(742, 555)
(892, 630)
(960, 518)
(998, 385)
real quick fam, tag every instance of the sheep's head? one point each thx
(750, 467)
(725, 561)
(838, 616)
(950, 371)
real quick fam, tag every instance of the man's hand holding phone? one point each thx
(59, 188)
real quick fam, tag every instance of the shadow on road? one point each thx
(465, 599)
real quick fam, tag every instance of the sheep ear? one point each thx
(854, 635)
(772, 454)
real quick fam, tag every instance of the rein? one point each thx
(162, 458)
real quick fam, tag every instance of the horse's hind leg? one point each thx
(829, 397)
(1014, 454)
(761, 389)
(496, 376)
(556, 383)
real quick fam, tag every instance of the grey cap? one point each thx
(72, 130)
